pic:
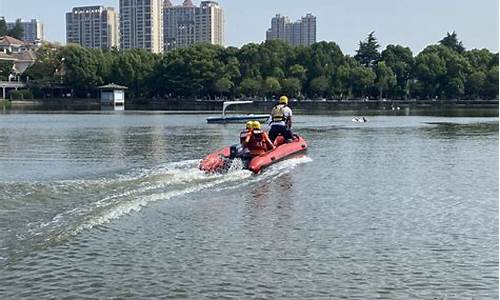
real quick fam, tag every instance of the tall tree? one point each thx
(368, 54)
(385, 78)
(3, 27)
(400, 60)
(451, 41)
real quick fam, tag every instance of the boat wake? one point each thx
(85, 204)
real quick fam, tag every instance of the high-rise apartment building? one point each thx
(32, 30)
(141, 25)
(188, 24)
(92, 27)
(300, 33)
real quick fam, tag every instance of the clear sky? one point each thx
(414, 23)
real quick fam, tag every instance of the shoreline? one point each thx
(214, 104)
(356, 107)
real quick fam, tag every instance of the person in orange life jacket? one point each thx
(258, 142)
(281, 121)
(243, 135)
(240, 149)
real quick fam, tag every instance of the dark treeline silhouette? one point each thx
(445, 70)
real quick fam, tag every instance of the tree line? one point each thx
(445, 70)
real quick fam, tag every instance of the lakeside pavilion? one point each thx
(113, 94)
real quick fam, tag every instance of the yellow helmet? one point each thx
(256, 125)
(249, 124)
(283, 100)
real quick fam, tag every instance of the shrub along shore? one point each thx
(442, 71)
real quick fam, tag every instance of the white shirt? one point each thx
(287, 113)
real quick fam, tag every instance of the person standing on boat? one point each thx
(258, 142)
(281, 121)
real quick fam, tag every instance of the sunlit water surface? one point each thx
(112, 206)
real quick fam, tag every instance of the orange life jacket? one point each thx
(257, 144)
(243, 135)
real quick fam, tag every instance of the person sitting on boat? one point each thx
(257, 141)
(249, 128)
(281, 121)
(239, 150)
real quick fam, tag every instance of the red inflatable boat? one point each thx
(219, 160)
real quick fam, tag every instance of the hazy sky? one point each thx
(415, 23)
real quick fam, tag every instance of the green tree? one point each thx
(361, 78)
(224, 85)
(491, 88)
(367, 53)
(321, 59)
(320, 85)
(272, 86)
(297, 71)
(250, 59)
(250, 87)
(385, 79)
(291, 87)
(475, 84)
(5, 69)
(400, 60)
(430, 67)
(3, 27)
(480, 60)
(340, 81)
(80, 68)
(451, 41)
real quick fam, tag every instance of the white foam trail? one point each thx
(160, 183)
(136, 205)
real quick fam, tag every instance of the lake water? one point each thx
(112, 206)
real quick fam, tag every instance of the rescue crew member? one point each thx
(240, 150)
(281, 121)
(243, 135)
(258, 142)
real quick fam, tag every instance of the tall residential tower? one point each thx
(300, 33)
(187, 24)
(141, 25)
(92, 27)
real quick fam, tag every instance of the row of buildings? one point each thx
(154, 25)
(158, 25)
(300, 33)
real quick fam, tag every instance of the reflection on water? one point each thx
(401, 207)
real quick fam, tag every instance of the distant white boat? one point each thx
(236, 118)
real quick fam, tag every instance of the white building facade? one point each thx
(92, 27)
(187, 24)
(299, 33)
(141, 25)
